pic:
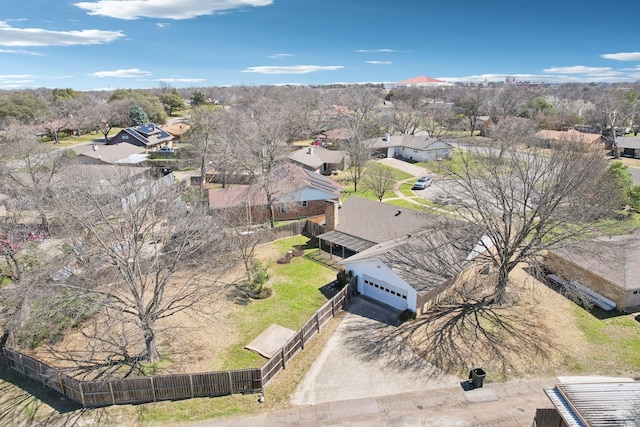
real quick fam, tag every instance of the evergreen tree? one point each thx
(137, 116)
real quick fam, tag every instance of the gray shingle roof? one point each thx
(378, 222)
(428, 258)
(613, 258)
(315, 157)
(409, 141)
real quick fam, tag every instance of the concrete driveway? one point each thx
(365, 358)
(404, 166)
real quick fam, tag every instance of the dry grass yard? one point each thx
(541, 334)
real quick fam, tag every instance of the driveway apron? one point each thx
(365, 357)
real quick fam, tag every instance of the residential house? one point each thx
(318, 159)
(413, 272)
(149, 136)
(358, 224)
(629, 146)
(297, 192)
(606, 268)
(571, 135)
(333, 137)
(402, 258)
(109, 154)
(410, 147)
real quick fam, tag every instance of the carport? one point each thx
(347, 244)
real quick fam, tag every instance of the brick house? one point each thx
(298, 193)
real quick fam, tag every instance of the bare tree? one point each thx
(470, 105)
(30, 172)
(358, 158)
(407, 115)
(204, 123)
(527, 202)
(379, 180)
(145, 259)
(106, 116)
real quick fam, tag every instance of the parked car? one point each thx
(448, 199)
(422, 183)
(165, 150)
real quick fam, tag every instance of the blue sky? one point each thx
(110, 44)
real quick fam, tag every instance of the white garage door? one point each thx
(384, 292)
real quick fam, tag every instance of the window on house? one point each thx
(283, 208)
(125, 136)
(304, 203)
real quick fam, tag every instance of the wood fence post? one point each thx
(284, 362)
(84, 405)
(113, 397)
(153, 389)
(24, 372)
(333, 307)
(191, 386)
(302, 338)
(231, 387)
(62, 387)
(318, 321)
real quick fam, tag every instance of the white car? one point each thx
(422, 183)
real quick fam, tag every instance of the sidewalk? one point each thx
(501, 404)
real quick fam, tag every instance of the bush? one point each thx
(343, 277)
(255, 288)
(407, 315)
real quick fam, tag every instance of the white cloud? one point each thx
(376, 50)
(281, 55)
(16, 76)
(378, 62)
(21, 52)
(162, 24)
(181, 80)
(164, 9)
(10, 36)
(128, 73)
(293, 69)
(577, 69)
(622, 56)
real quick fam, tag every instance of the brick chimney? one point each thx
(331, 219)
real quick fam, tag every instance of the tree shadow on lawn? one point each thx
(24, 401)
(462, 332)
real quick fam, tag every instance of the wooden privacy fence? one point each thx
(178, 386)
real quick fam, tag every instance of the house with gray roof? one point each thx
(296, 193)
(410, 147)
(318, 159)
(629, 146)
(358, 224)
(110, 154)
(150, 136)
(607, 267)
(400, 257)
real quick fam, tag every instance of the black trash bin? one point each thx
(477, 377)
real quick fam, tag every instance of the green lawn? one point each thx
(72, 140)
(296, 296)
(615, 342)
(405, 189)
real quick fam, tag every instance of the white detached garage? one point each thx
(409, 272)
